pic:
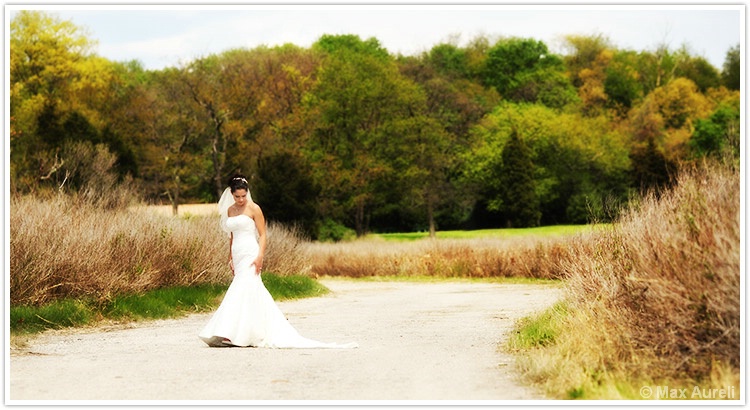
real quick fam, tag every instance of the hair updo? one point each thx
(238, 182)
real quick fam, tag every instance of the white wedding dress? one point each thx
(248, 315)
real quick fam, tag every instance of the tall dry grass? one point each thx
(64, 247)
(466, 258)
(287, 253)
(657, 297)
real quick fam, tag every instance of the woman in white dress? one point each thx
(248, 315)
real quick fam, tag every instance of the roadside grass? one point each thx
(541, 231)
(161, 303)
(559, 350)
(64, 248)
(539, 330)
(653, 301)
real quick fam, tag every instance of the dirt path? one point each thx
(418, 341)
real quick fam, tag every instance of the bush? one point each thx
(475, 258)
(332, 231)
(66, 248)
(656, 298)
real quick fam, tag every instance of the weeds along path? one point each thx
(418, 341)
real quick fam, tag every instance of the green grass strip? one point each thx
(164, 303)
(55, 315)
(292, 286)
(155, 304)
(539, 330)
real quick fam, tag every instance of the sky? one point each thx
(161, 36)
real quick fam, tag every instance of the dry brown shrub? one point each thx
(64, 247)
(474, 258)
(286, 250)
(664, 284)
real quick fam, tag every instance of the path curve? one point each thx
(418, 341)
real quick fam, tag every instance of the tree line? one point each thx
(344, 135)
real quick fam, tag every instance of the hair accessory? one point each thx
(240, 179)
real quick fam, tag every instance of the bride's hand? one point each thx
(258, 263)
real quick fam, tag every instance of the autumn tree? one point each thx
(262, 89)
(124, 115)
(45, 58)
(667, 116)
(583, 53)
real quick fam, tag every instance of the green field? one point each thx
(552, 230)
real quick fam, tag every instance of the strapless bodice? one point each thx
(240, 223)
(245, 235)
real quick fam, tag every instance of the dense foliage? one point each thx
(345, 135)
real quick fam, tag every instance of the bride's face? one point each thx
(240, 197)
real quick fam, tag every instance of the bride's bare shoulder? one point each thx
(255, 209)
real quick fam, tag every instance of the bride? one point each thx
(248, 315)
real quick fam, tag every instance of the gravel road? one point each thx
(418, 342)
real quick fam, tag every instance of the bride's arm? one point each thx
(231, 263)
(260, 225)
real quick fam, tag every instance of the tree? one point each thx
(717, 135)
(652, 170)
(667, 116)
(523, 70)
(174, 153)
(584, 53)
(577, 160)
(700, 72)
(422, 160)
(518, 191)
(45, 58)
(448, 60)
(455, 101)
(202, 82)
(621, 83)
(510, 58)
(436, 137)
(679, 102)
(730, 74)
(358, 98)
(657, 68)
(262, 90)
(287, 191)
(124, 114)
